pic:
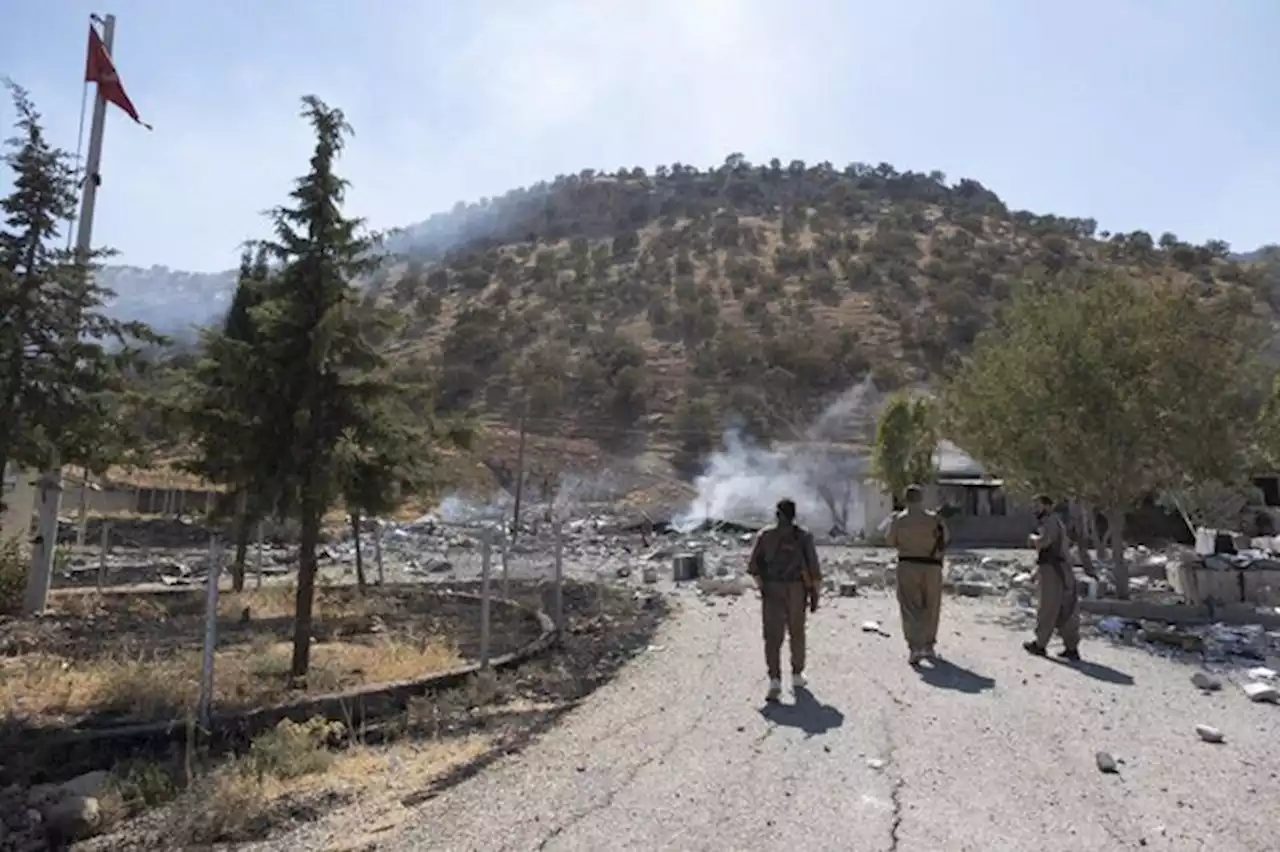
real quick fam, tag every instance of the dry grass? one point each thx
(53, 687)
(161, 680)
(240, 800)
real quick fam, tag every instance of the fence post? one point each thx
(210, 631)
(557, 597)
(506, 570)
(104, 535)
(377, 548)
(486, 558)
(257, 558)
(83, 523)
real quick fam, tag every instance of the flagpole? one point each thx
(40, 577)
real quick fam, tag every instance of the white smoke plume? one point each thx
(742, 482)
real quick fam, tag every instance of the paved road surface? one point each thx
(993, 753)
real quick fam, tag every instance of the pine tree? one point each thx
(61, 360)
(327, 380)
(223, 409)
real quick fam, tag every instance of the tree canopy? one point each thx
(1108, 389)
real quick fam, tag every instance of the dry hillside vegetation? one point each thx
(635, 306)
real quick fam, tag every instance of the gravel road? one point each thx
(993, 751)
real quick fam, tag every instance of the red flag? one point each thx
(101, 70)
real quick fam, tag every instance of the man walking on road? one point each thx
(784, 564)
(920, 537)
(1059, 605)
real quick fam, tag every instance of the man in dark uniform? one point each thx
(784, 564)
(1059, 607)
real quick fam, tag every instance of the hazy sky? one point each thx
(1153, 114)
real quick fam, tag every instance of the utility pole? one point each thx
(524, 423)
(41, 573)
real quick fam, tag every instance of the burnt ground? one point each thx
(127, 658)
(606, 627)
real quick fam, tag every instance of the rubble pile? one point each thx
(51, 816)
(1228, 568)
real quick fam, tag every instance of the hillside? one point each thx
(637, 307)
(760, 292)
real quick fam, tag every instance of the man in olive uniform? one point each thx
(784, 564)
(920, 537)
(1059, 605)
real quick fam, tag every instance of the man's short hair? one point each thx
(1045, 500)
(914, 494)
(787, 508)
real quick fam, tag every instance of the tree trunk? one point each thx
(242, 541)
(1100, 536)
(355, 533)
(1084, 537)
(1119, 568)
(309, 540)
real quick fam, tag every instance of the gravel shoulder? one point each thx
(994, 751)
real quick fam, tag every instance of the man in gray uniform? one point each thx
(1059, 607)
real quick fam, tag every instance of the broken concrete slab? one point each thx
(1261, 692)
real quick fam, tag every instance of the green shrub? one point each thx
(13, 574)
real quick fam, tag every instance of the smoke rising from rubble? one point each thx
(742, 481)
(574, 491)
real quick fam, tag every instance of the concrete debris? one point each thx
(1210, 734)
(1261, 673)
(729, 587)
(51, 816)
(1106, 763)
(1261, 692)
(874, 627)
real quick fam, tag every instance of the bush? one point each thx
(14, 557)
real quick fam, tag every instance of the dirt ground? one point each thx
(374, 784)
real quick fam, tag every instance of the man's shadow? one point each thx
(807, 713)
(1097, 671)
(945, 674)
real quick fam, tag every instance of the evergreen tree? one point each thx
(62, 362)
(223, 409)
(327, 381)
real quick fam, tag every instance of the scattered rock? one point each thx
(874, 627)
(975, 589)
(1261, 692)
(90, 784)
(847, 589)
(73, 817)
(1206, 682)
(875, 763)
(1107, 763)
(1261, 673)
(1210, 734)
